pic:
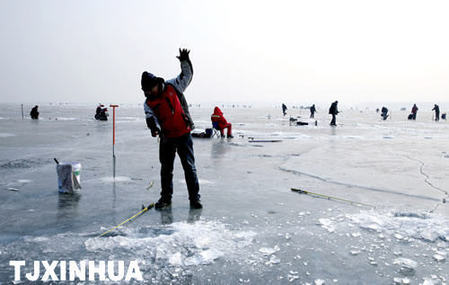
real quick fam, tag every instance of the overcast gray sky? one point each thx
(248, 51)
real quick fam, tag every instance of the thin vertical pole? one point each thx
(113, 139)
(22, 110)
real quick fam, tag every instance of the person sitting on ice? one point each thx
(98, 110)
(219, 123)
(101, 113)
(34, 114)
(384, 113)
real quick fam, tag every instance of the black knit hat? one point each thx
(148, 81)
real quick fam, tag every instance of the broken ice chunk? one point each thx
(398, 236)
(327, 224)
(292, 277)
(408, 266)
(268, 250)
(273, 260)
(398, 280)
(439, 257)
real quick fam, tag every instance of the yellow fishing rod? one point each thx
(300, 191)
(144, 209)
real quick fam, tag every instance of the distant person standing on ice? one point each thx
(414, 111)
(436, 108)
(219, 122)
(333, 110)
(167, 116)
(312, 111)
(284, 109)
(34, 114)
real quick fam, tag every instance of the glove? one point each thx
(183, 54)
(151, 124)
(155, 133)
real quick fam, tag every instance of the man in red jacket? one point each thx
(167, 116)
(219, 122)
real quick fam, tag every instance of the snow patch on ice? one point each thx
(65, 119)
(116, 179)
(36, 239)
(404, 226)
(6, 135)
(181, 244)
(201, 181)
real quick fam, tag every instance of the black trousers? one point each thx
(334, 120)
(168, 148)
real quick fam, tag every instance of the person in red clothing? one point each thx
(167, 116)
(219, 122)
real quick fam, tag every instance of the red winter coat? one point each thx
(217, 117)
(169, 112)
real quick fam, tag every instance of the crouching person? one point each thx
(167, 116)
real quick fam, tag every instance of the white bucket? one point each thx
(68, 176)
(76, 169)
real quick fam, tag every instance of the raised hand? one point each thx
(183, 54)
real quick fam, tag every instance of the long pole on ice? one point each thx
(22, 110)
(144, 209)
(300, 191)
(113, 138)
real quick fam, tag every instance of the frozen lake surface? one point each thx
(253, 228)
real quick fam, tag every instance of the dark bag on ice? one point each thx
(209, 132)
(206, 134)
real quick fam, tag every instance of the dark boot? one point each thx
(196, 204)
(162, 204)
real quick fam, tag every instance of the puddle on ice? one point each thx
(22, 163)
